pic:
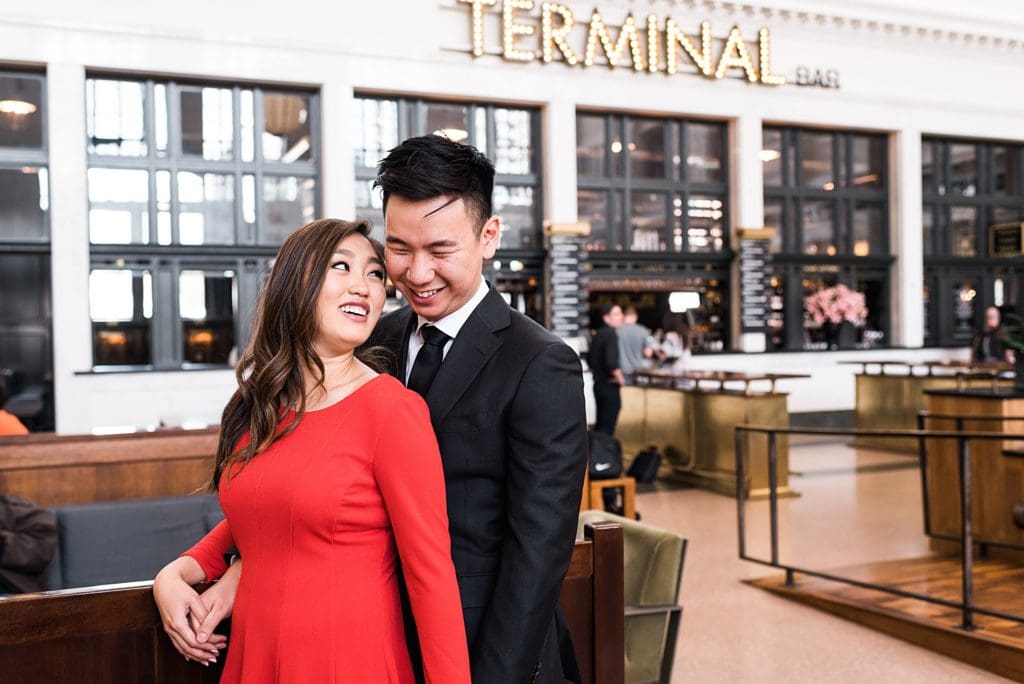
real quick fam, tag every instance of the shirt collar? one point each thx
(451, 324)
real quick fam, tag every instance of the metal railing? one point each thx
(967, 539)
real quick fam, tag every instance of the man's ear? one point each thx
(489, 235)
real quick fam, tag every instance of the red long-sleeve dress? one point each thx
(317, 518)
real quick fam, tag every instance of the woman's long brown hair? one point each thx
(270, 370)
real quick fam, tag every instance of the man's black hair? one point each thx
(607, 307)
(433, 166)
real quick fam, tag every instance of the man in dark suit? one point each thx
(506, 402)
(505, 399)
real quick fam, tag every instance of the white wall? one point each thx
(926, 67)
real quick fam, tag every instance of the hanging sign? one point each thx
(1006, 240)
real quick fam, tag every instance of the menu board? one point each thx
(567, 285)
(1005, 239)
(755, 262)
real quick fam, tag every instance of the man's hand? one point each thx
(179, 603)
(219, 602)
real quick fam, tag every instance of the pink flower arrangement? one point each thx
(836, 304)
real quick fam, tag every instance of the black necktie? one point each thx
(428, 360)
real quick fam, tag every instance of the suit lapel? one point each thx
(475, 344)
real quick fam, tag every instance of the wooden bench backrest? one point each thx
(113, 634)
(55, 470)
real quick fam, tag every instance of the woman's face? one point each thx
(352, 297)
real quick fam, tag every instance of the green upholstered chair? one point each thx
(653, 571)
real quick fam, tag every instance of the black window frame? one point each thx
(249, 256)
(942, 268)
(791, 260)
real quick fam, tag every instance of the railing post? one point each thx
(966, 536)
(773, 494)
(741, 490)
(922, 455)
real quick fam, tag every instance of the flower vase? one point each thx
(831, 331)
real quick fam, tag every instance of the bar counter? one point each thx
(888, 400)
(691, 416)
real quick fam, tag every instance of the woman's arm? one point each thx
(407, 467)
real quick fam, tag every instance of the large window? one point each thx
(192, 187)
(26, 356)
(826, 196)
(968, 187)
(509, 136)
(655, 192)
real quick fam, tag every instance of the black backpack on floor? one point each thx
(605, 457)
(645, 466)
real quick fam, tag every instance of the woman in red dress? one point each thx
(328, 474)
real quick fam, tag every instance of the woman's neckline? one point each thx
(345, 398)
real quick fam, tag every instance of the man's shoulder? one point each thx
(529, 334)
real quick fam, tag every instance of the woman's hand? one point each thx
(179, 603)
(219, 601)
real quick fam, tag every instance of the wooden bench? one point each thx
(113, 634)
(54, 470)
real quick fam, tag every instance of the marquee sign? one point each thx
(649, 45)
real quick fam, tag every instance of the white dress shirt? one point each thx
(450, 325)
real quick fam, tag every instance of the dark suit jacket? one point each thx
(507, 408)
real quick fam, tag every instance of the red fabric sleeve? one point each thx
(407, 467)
(209, 551)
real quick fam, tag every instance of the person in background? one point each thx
(607, 370)
(636, 344)
(28, 540)
(987, 345)
(9, 423)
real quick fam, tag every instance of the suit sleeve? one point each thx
(209, 551)
(407, 468)
(546, 461)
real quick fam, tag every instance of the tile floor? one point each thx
(855, 506)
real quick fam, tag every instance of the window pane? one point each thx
(928, 230)
(868, 229)
(873, 287)
(121, 307)
(480, 140)
(163, 208)
(774, 218)
(928, 168)
(819, 227)
(451, 121)
(963, 230)
(964, 314)
(590, 145)
(115, 118)
(647, 148)
(963, 170)
(1007, 215)
(376, 131)
(513, 142)
(288, 203)
(207, 123)
(771, 157)
(206, 301)
(592, 206)
(247, 125)
(869, 162)
(287, 136)
(160, 111)
(1006, 162)
(206, 206)
(647, 222)
(370, 206)
(24, 204)
(704, 154)
(514, 204)
(21, 111)
(118, 206)
(816, 169)
(702, 228)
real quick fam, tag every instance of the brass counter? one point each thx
(694, 429)
(887, 400)
(996, 475)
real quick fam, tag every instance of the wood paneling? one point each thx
(996, 645)
(64, 469)
(113, 635)
(998, 481)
